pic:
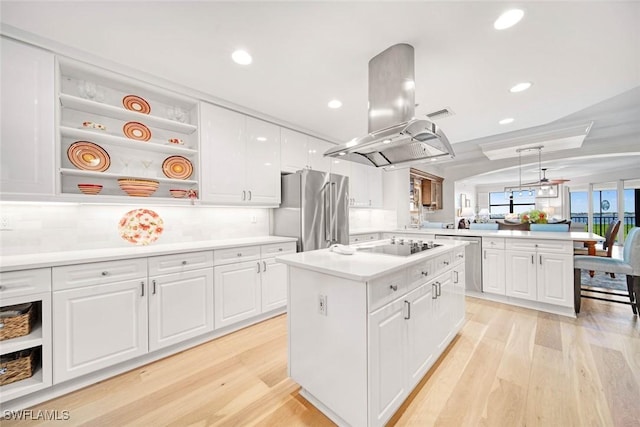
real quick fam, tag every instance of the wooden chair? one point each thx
(629, 265)
(607, 245)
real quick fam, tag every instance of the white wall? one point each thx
(379, 219)
(47, 227)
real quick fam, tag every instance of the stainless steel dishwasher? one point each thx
(473, 260)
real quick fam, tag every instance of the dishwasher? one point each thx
(472, 260)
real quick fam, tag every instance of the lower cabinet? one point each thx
(274, 285)
(520, 275)
(493, 277)
(237, 293)
(98, 326)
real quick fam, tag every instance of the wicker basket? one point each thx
(16, 326)
(17, 366)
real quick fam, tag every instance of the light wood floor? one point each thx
(508, 367)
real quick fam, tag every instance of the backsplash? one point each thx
(48, 227)
(372, 218)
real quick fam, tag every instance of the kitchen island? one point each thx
(365, 328)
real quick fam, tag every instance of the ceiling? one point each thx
(577, 54)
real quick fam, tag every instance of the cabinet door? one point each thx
(236, 292)
(98, 326)
(180, 307)
(555, 279)
(436, 194)
(387, 361)
(443, 311)
(274, 284)
(293, 150)
(493, 280)
(375, 187)
(458, 312)
(520, 275)
(420, 332)
(316, 149)
(341, 167)
(222, 151)
(27, 131)
(359, 185)
(262, 162)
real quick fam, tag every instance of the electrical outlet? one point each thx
(5, 222)
(322, 305)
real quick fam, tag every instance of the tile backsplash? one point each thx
(48, 227)
(372, 218)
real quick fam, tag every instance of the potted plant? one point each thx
(534, 217)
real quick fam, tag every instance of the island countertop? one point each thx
(546, 235)
(361, 266)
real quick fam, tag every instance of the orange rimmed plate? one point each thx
(136, 130)
(136, 103)
(177, 167)
(141, 226)
(88, 156)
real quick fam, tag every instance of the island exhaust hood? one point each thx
(395, 136)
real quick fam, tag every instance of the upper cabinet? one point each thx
(113, 128)
(365, 184)
(27, 132)
(241, 155)
(428, 189)
(300, 151)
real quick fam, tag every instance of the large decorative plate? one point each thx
(136, 130)
(177, 167)
(88, 156)
(141, 226)
(136, 103)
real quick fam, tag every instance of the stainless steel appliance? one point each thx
(400, 247)
(314, 209)
(473, 260)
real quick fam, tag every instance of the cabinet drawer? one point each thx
(24, 282)
(386, 289)
(359, 238)
(492, 243)
(275, 249)
(418, 274)
(441, 262)
(556, 246)
(458, 255)
(239, 254)
(98, 273)
(180, 262)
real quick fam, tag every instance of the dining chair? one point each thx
(549, 227)
(483, 226)
(629, 265)
(607, 246)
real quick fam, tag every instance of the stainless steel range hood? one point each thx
(395, 136)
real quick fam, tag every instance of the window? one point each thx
(503, 203)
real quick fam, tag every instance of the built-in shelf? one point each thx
(81, 104)
(34, 339)
(107, 139)
(108, 175)
(23, 387)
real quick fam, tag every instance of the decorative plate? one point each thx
(88, 156)
(136, 130)
(177, 167)
(141, 226)
(136, 103)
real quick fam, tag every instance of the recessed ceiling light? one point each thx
(334, 103)
(241, 57)
(506, 121)
(520, 87)
(433, 159)
(386, 141)
(342, 153)
(508, 19)
(261, 138)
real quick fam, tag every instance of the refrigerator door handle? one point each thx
(334, 213)
(326, 202)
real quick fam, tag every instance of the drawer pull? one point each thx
(239, 254)
(445, 262)
(456, 279)
(264, 264)
(184, 262)
(439, 288)
(258, 267)
(460, 256)
(279, 249)
(393, 287)
(425, 273)
(105, 273)
(141, 289)
(408, 304)
(154, 287)
(434, 291)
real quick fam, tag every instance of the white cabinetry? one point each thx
(540, 270)
(180, 297)
(493, 265)
(300, 151)
(27, 131)
(360, 238)
(29, 286)
(99, 316)
(248, 282)
(135, 139)
(241, 158)
(365, 184)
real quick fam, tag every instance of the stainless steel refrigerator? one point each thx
(314, 209)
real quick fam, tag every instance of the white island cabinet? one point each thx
(364, 329)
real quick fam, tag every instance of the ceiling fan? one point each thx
(545, 180)
(542, 179)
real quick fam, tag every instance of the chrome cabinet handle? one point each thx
(456, 273)
(532, 261)
(249, 194)
(408, 305)
(258, 267)
(154, 287)
(279, 249)
(244, 195)
(540, 259)
(425, 273)
(485, 254)
(439, 288)
(445, 262)
(393, 287)
(434, 291)
(460, 256)
(141, 289)
(105, 273)
(264, 264)
(184, 262)
(239, 254)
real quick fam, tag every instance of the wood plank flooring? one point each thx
(508, 367)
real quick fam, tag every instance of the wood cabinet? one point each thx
(136, 122)
(432, 193)
(300, 151)
(27, 132)
(34, 287)
(242, 158)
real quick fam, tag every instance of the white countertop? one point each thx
(549, 235)
(361, 266)
(52, 259)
